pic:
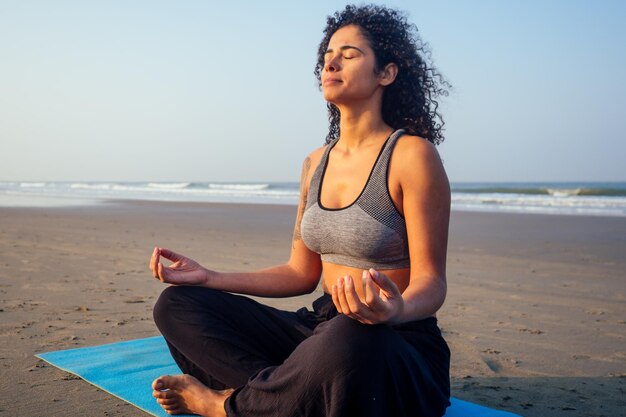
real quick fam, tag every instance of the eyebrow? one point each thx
(344, 47)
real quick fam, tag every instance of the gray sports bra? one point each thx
(370, 232)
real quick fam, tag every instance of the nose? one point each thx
(331, 65)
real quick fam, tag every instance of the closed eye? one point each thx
(349, 52)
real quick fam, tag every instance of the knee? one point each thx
(349, 344)
(343, 327)
(166, 303)
(179, 303)
(173, 302)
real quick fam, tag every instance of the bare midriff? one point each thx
(331, 272)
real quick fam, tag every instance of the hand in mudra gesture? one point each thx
(382, 303)
(183, 270)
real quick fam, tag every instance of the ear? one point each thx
(388, 74)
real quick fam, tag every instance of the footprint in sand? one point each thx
(595, 312)
(531, 331)
(492, 364)
(135, 300)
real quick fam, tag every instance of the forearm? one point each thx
(422, 298)
(277, 281)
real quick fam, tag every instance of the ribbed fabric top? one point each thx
(370, 232)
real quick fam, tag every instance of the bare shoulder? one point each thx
(418, 180)
(309, 165)
(315, 156)
(412, 149)
(417, 161)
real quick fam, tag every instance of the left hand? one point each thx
(383, 301)
(183, 271)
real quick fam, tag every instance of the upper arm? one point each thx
(426, 206)
(302, 259)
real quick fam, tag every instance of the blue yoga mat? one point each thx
(127, 369)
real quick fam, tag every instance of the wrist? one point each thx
(399, 315)
(210, 277)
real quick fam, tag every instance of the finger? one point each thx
(388, 286)
(162, 272)
(360, 310)
(363, 284)
(354, 301)
(333, 294)
(172, 256)
(372, 293)
(154, 260)
(370, 289)
(341, 295)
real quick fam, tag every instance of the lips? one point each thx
(330, 81)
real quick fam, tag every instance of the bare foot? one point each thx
(184, 394)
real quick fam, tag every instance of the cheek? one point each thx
(365, 82)
(364, 75)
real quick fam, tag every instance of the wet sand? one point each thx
(535, 315)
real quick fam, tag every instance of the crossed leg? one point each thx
(230, 335)
(281, 366)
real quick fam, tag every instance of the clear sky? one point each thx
(224, 91)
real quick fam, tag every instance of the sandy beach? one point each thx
(535, 315)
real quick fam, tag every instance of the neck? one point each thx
(360, 126)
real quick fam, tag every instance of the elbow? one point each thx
(307, 286)
(433, 294)
(311, 288)
(439, 296)
(307, 279)
(312, 281)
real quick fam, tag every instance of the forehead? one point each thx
(348, 35)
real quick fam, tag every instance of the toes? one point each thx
(157, 384)
(164, 382)
(163, 394)
(169, 402)
(170, 405)
(174, 383)
(171, 391)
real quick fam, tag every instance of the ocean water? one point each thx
(587, 198)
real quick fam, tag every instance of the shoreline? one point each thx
(42, 201)
(534, 315)
(570, 198)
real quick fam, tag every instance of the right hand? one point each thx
(183, 271)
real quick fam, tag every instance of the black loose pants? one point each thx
(304, 363)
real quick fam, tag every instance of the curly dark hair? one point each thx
(410, 101)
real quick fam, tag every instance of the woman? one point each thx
(372, 223)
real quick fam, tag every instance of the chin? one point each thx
(333, 98)
(328, 96)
